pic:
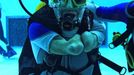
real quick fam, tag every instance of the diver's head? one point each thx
(68, 10)
(74, 7)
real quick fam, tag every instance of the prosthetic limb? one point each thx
(2, 51)
(10, 52)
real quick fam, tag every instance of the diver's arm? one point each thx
(93, 38)
(118, 12)
(60, 46)
(52, 42)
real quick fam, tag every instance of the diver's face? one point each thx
(74, 8)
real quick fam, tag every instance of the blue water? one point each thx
(12, 8)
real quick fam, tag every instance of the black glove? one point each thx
(130, 8)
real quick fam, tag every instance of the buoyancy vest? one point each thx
(46, 17)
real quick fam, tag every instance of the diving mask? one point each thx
(75, 3)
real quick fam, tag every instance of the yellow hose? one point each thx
(40, 5)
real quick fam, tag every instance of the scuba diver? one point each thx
(123, 12)
(64, 37)
(10, 52)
